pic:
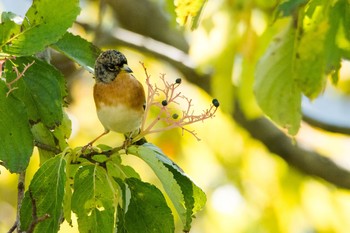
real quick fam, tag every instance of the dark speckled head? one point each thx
(109, 64)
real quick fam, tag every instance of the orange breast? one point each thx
(124, 89)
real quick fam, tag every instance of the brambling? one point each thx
(119, 96)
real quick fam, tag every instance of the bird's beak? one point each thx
(126, 68)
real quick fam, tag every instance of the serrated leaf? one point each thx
(63, 132)
(79, 50)
(148, 211)
(309, 65)
(186, 197)
(93, 200)
(47, 188)
(40, 88)
(333, 54)
(16, 144)
(275, 89)
(170, 185)
(194, 197)
(46, 21)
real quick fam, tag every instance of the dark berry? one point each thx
(164, 103)
(178, 80)
(175, 116)
(215, 102)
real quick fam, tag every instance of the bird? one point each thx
(119, 97)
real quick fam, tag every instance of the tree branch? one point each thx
(309, 162)
(20, 196)
(276, 141)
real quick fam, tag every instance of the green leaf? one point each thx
(93, 200)
(287, 8)
(186, 197)
(16, 144)
(194, 197)
(309, 65)
(276, 91)
(79, 50)
(170, 185)
(45, 23)
(117, 170)
(8, 16)
(8, 30)
(47, 189)
(44, 135)
(41, 89)
(148, 211)
(333, 53)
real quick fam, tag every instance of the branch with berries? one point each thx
(166, 108)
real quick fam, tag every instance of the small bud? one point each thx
(215, 102)
(164, 103)
(178, 80)
(175, 116)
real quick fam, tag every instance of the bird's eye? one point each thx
(111, 67)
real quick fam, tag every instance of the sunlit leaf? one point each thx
(8, 30)
(170, 185)
(187, 198)
(189, 10)
(93, 200)
(16, 144)
(45, 22)
(47, 189)
(147, 203)
(276, 91)
(309, 65)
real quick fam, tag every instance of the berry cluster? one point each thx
(165, 110)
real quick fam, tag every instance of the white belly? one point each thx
(120, 119)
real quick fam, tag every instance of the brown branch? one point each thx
(36, 220)
(309, 162)
(18, 77)
(47, 147)
(20, 196)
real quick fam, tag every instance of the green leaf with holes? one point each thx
(93, 199)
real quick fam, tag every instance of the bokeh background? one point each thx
(249, 188)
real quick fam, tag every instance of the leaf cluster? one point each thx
(302, 57)
(104, 194)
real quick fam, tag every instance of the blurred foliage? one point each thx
(248, 189)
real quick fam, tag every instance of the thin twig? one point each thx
(19, 75)
(20, 196)
(47, 147)
(36, 220)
